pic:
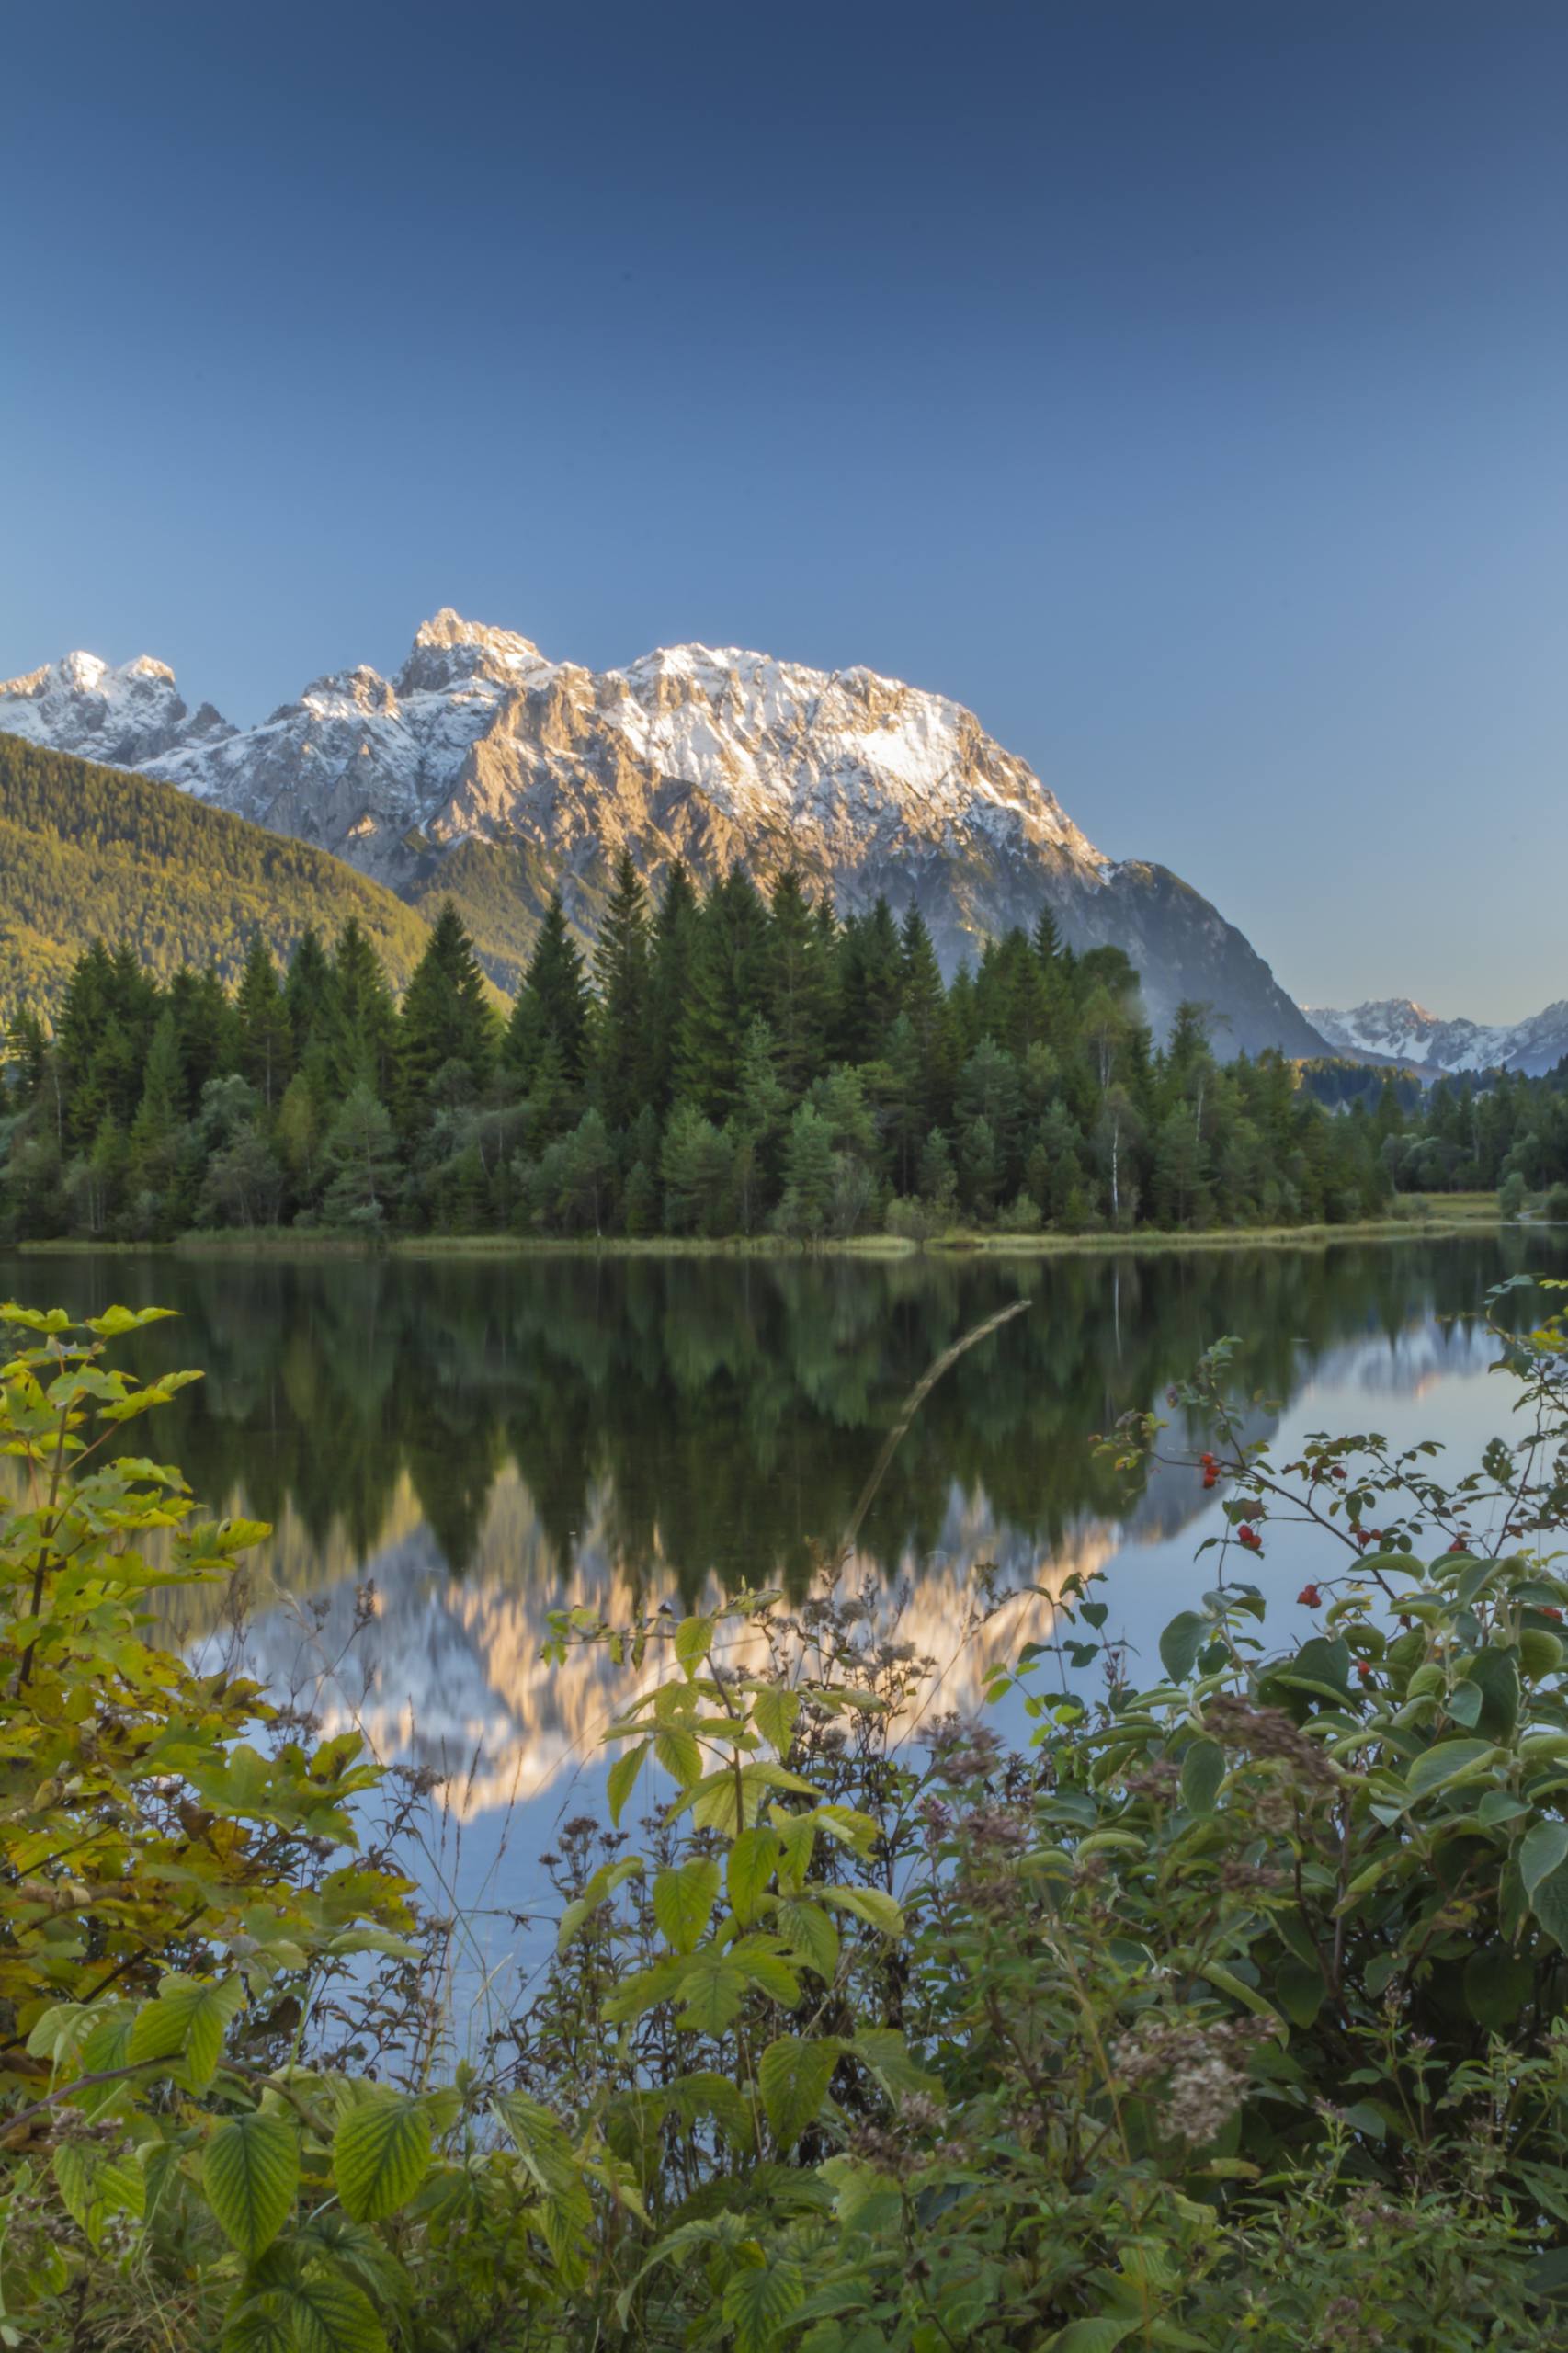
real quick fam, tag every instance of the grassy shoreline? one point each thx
(1460, 1213)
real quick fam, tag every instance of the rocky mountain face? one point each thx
(486, 768)
(1397, 1030)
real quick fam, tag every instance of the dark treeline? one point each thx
(726, 1065)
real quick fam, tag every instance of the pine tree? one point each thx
(446, 1020)
(266, 1039)
(870, 984)
(360, 1159)
(674, 947)
(308, 992)
(761, 1106)
(361, 1018)
(727, 989)
(622, 963)
(800, 996)
(808, 1173)
(926, 1005)
(208, 1028)
(549, 1029)
(155, 1130)
(26, 1056)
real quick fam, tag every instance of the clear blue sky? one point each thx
(1183, 385)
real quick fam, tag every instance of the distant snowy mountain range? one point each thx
(489, 771)
(1397, 1030)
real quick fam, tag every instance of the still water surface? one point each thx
(482, 1439)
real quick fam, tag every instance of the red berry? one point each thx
(1547, 1610)
(1310, 1598)
(1250, 1538)
(1459, 1545)
(1364, 1671)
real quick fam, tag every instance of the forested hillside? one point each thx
(86, 850)
(732, 1064)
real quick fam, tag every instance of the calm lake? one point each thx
(480, 1440)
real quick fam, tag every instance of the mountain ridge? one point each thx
(485, 763)
(1399, 1030)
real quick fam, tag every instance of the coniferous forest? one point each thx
(731, 1066)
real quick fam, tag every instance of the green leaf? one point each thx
(1443, 1763)
(885, 2052)
(599, 1889)
(380, 2152)
(694, 1640)
(872, 1904)
(774, 1712)
(329, 2315)
(622, 1774)
(1496, 1674)
(797, 1844)
(1323, 1658)
(753, 1860)
(807, 1928)
(1300, 1991)
(1180, 1644)
(260, 2327)
(641, 1991)
(1497, 1985)
(186, 2022)
(115, 1321)
(794, 2073)
(1540, 1850)
(758, 2302)
(1549, 1901)
(680, 1754)
(541, 2142)
(97, 2182)
(682, 1901)
(1202, 1770)
(251, 2175)
(1463, 1704)
(711, 1987)
(1102, 2334)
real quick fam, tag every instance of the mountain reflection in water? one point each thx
(482, 1439)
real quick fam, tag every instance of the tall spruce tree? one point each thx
(446, 1020)
(870, 984)
(361, 1019)
(801, 979)
(623, 1041)
(547, 1037)
(728, 988)
(266, 1038)
(673, 948)
(307, 993)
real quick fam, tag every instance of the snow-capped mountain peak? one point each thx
(123, 716)
(1397, 1030)
(447, 648)
(715, 755)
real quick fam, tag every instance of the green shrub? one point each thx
(1227, 2014)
